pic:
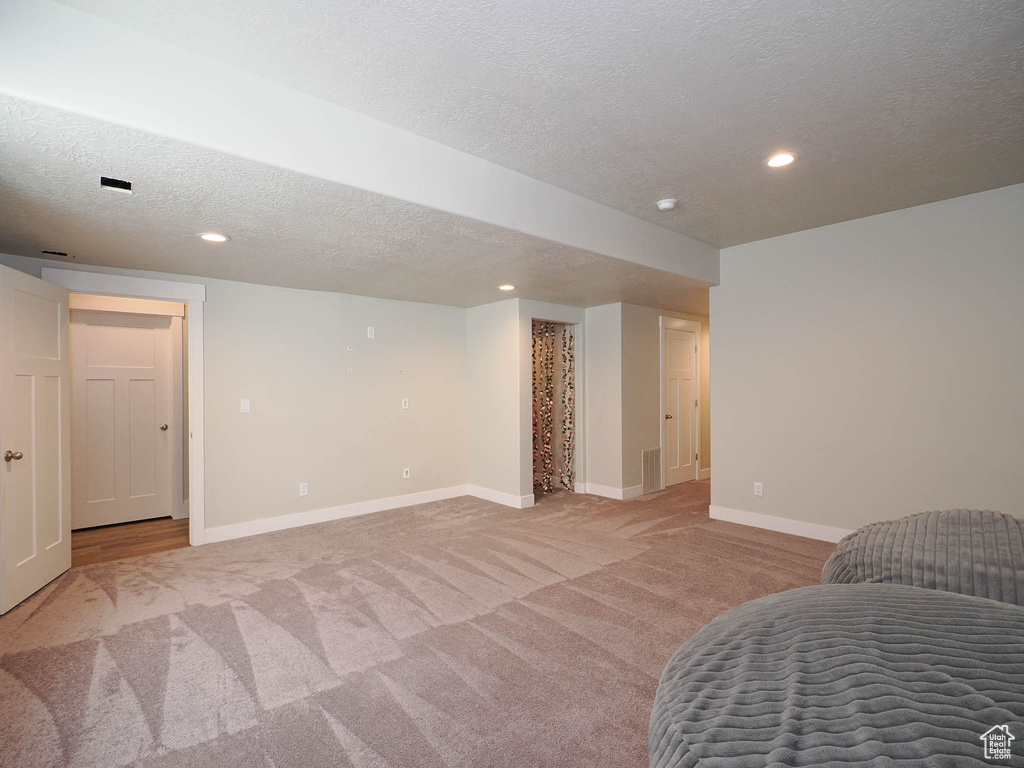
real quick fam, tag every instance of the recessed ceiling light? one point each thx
(780, 160)
(214, 237)
(506, 287)
(667, 204)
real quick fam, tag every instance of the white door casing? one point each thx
(122, 412)
(679, 401)
(35, 406)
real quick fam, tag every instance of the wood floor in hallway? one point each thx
(116, 542)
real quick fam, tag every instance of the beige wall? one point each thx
(312, 420)
(603, 346)
(494, 390)
(874, 368)
(641, 388)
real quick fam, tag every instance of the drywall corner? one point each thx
(494, 397)
(603, 349)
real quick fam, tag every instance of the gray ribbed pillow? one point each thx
(970, 552)
(844, 675)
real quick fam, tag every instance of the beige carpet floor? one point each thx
(458, 633)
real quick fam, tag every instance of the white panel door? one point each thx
(35, 436)
(121, 411)
(679, 406)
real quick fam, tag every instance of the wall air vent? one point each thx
(118, 184)
(651, 463)
(62, 254)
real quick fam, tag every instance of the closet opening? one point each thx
(554, 408)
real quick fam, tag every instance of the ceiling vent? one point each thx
(118, 184)
(62, 254)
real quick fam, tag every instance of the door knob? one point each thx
(668, 415)
(13, 456)
(163, 427)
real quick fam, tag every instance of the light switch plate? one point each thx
(369, 331)
(759, 489)
(303, 489)
(246, 406)
(406, 473)
(405, 403)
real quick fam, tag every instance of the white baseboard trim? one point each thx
(610, 492)
(580, 488)
(508, 499)
(780, 524)
(632, 492)
(704, 474)
(604, 490)
(296, 519)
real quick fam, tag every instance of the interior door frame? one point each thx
(528, 311)
(193, 295)
(665, 323)
(579, 412)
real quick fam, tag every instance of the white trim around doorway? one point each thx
(194, 295)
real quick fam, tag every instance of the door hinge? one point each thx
(696, 456)
(695, 404)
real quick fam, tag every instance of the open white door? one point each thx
(35, 436)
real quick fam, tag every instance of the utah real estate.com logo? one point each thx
(997, 742)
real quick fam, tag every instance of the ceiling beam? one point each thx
(56, 55)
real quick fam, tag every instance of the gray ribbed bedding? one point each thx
(970, 552)
(851, 675)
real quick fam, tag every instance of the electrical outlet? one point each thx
(369, 331)
(759, 489)
(405, 403)
(246, 406)
(406, 473)
(303, 489)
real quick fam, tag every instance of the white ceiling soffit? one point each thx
(887, 103)
(286, 228)
(56, 55)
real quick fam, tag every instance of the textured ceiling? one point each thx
(287, 229)
(887, 104)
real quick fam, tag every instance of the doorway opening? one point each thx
(129, 426)
(193, 295)
(554, 408)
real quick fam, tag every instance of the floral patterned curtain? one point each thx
(544, 409)
(567, 475)
(543, 404)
